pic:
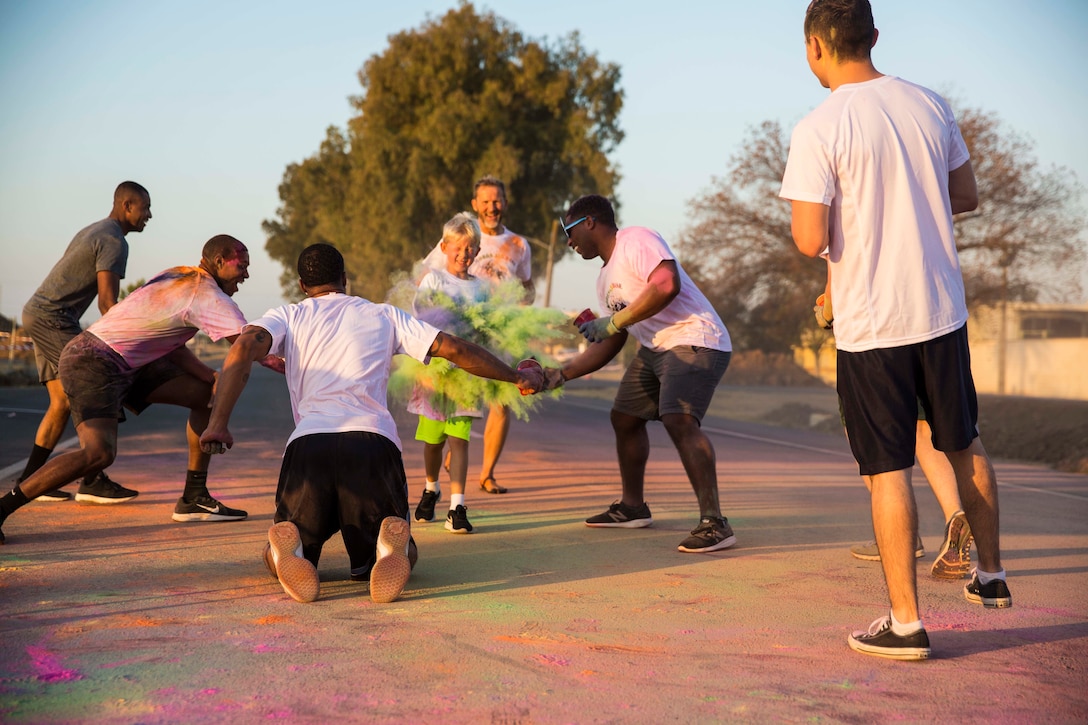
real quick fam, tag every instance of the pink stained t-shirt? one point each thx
(165, 313)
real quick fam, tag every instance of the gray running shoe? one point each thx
(954, 559)
(712, 534)
(621, 516)
(869, 552)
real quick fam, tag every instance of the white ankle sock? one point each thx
(457, 499)
(985, 577)
(905, 628)
(431, 486)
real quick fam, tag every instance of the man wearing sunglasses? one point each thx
(684, 351)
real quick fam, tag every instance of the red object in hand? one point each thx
(527, 364)
(583, 317)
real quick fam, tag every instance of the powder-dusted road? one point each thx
(117, 614)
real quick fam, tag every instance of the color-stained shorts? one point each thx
(437, 431)
(680, 380)
(882, 389)
(50, 335)
(100, 384)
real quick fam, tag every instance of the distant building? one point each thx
(1041, 351)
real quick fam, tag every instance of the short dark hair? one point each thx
(845, 26)
(129, 190)
(320, 264)
(222, 245)
(593, 205)
(489, 180)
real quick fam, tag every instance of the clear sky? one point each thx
(206, 102)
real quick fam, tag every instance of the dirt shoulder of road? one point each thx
(774, 391)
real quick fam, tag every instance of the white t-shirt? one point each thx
(501, 258)
(879, 154)
(165, 313)
(339, 351)
(465, 291)
(688, 320)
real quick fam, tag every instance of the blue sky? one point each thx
(206, 102)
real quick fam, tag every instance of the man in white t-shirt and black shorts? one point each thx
(874, 175)
(684, 351)
(503, 256)
(342, 470)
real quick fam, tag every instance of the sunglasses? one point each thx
(568, 227)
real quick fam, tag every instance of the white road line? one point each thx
(18, 466)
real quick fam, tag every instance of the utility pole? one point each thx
(550, 246)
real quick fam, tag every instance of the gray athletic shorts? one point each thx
(100, 384)
(680, 380)
(50, 335)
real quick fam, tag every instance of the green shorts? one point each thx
(437, 431)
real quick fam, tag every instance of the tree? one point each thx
(1024, 242)
(460, 97)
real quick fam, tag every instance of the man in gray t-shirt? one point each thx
(92, 266)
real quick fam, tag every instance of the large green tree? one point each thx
(1024, 242)
(462, 96)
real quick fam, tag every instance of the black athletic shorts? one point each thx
(881, 391)
(346, 482)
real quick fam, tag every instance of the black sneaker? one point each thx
(104, 490)
(621, 516)
(205, 508)
(881, 641)
(457, 521)
(994, 595)
(57, 494)
(425, 510)
(711, 534)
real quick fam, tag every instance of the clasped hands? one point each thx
(539, 380)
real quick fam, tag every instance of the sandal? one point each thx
(494, 487)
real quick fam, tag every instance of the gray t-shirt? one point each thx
(72, 284)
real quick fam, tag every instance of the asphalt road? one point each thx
(117, 614)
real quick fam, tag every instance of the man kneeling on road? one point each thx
(342, 469)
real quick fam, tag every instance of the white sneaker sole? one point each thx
(91, 498)
(391, 568)
(297, 575)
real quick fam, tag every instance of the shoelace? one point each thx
(879, 625)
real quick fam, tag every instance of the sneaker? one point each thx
(205, 508)
(711, 534)
(296, 575)
(59, 494)
(104, 490)
(457, 521)
(994, 595)
(881, 641)
(621, 516)
(269, 562)
(363, 575)
(392, 567)
(954, 559)
(869, 552)
(425, 510)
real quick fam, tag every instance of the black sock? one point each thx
(11, 501)
(37, 459)
(196, 485)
